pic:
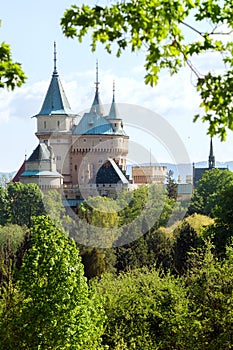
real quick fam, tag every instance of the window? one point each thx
(44, 125)
(84, 140)
(75, 168)
(58, 123)
(58, 157)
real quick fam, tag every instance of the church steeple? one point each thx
(211, 156)
(113, 113)
(97, 106)
(55, 101)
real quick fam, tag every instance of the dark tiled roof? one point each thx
(40, 153)
(110, 173)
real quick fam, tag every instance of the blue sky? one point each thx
(32, 27)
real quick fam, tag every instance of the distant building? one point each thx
(198, 172)
(150, 174)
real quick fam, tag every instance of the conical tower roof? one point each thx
(40, 153)
(55, 101)
(97, 106)
(113, 113)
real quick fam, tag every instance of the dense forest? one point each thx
(144, 271)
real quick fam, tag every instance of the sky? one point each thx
(158, 120)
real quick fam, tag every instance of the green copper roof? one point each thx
(113, 113)
(40, 173)
(97, 106)
(93, 124)
(55, 101)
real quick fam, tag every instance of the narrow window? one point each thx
(44, 125)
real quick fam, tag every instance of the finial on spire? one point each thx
(55, 58)
(113, 88)
(97, 76)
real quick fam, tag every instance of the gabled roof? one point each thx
(110, 173)
(19, 172)
(40, 153)
(55, 101)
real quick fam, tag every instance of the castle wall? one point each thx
(90, 152)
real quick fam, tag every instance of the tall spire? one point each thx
(97, 106)
(55, 101)
(55, 59)
(97, 77)
(113, 113)
(211, 156)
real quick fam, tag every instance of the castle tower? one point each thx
(117, 125)
(95, 140)
(40, 168)
(54, 122)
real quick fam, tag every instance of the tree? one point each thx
(55, 310)
(171, 186)
(221, 232)
(144, 310)
(25, 201)
(11, 239)
(210, 294)
(206, 195)
(4, 206)
(11, 73)
(162, 29)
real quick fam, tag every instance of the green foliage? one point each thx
(11, 73)
(144, 311)
(11, 239)
(206, 195)
(162, 30)
(171, 186)
(4, 206)
(56, 309)
(100, 222)
(188, 237)
(221, 232)
(25, 201)
(210, 295)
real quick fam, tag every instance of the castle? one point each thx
(82, 157)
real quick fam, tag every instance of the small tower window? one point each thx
(44, 125)
(75, 167)
(58, 124)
